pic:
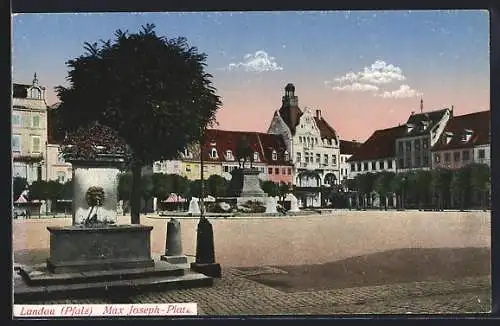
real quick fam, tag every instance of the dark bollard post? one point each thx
(173, 244)
(205, 252)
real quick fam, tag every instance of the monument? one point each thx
(271, 205)
(245, 183)
(294, 206)
(173, 245)
(194, 206)
(95, 254)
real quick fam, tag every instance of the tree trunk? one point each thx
(135, 197)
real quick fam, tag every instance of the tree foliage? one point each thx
(18, 186)
(153, 91)
(217, 186)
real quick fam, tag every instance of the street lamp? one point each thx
(403, 193)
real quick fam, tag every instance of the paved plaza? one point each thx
(258, 256)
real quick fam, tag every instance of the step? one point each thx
(40, 275)
(107, 289)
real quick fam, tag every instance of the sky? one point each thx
(365, 70)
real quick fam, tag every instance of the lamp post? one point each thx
(403, 193)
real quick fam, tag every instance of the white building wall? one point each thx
(487, 154)
(354, 173)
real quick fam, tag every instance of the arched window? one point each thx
(229, 154)
(36, 93)
(275, 155)
(256, 156)
(213, 153)
(287, 156)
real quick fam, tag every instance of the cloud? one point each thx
(356, 87)
(378, 73)
(260, 61)
(404, 91)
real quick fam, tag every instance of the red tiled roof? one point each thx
(325, 130)
(477, 122)
(349, 147)
(262, 143)
(381, 144)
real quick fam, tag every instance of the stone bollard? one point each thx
(205, 252)
(173, 244)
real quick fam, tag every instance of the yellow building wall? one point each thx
(191, 170)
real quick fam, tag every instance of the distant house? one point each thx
(422, 131)
(57, 168)
(465, 140)
(29, 131)
(377, 153)
(347, 149)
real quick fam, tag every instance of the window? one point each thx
(213, 153)
(325, 158)
(16, 143)
(316, 140)
(425, 143)
(408, 146)
(374, 166)
(270, 171)
(381, 165)
(36, 121)
(417, 144)
(35, 144)
(188, 168)
(300, 139)
(318, 158)
(287, 156)
(157, 167)
(283, 171)
(275, 155)
(289, 171)
(447, 157)
(334, 160)
(359, 167)
(465, 155)
(226, 169)
(456, 156)
(276, 171)
(353, 167)
(255, 156)
(35, 93)
(229, 155)
(16, 120)
(365, 166)
(437, 157)
(61, 176)
(401, 163)
(389, 164)
(299, 157)
(425, 159)
(481, 154)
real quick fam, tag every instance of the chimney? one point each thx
(318, 114)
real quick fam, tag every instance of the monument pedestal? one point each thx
(80, 249)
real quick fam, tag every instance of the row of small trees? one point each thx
(162, 185)
(441, 188)
(42, 190)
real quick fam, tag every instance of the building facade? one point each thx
(465, 140)
(29, 131)
(422, 131)
(377, 153)
(347, 149)
(313, 147)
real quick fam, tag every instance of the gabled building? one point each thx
(377, 153)
(465, 140)
(347, 149)
(422, 131)
(29, 131)
(313, 146)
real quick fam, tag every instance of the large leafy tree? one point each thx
(152, 90)
(382, 186)
(460, 185)
(270, 188)
(480, 178)
(440, 184)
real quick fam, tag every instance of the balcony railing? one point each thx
(308, 166)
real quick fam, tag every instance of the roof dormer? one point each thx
(409, 127)
(274, 155)
(467, 134)
(449, 137)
